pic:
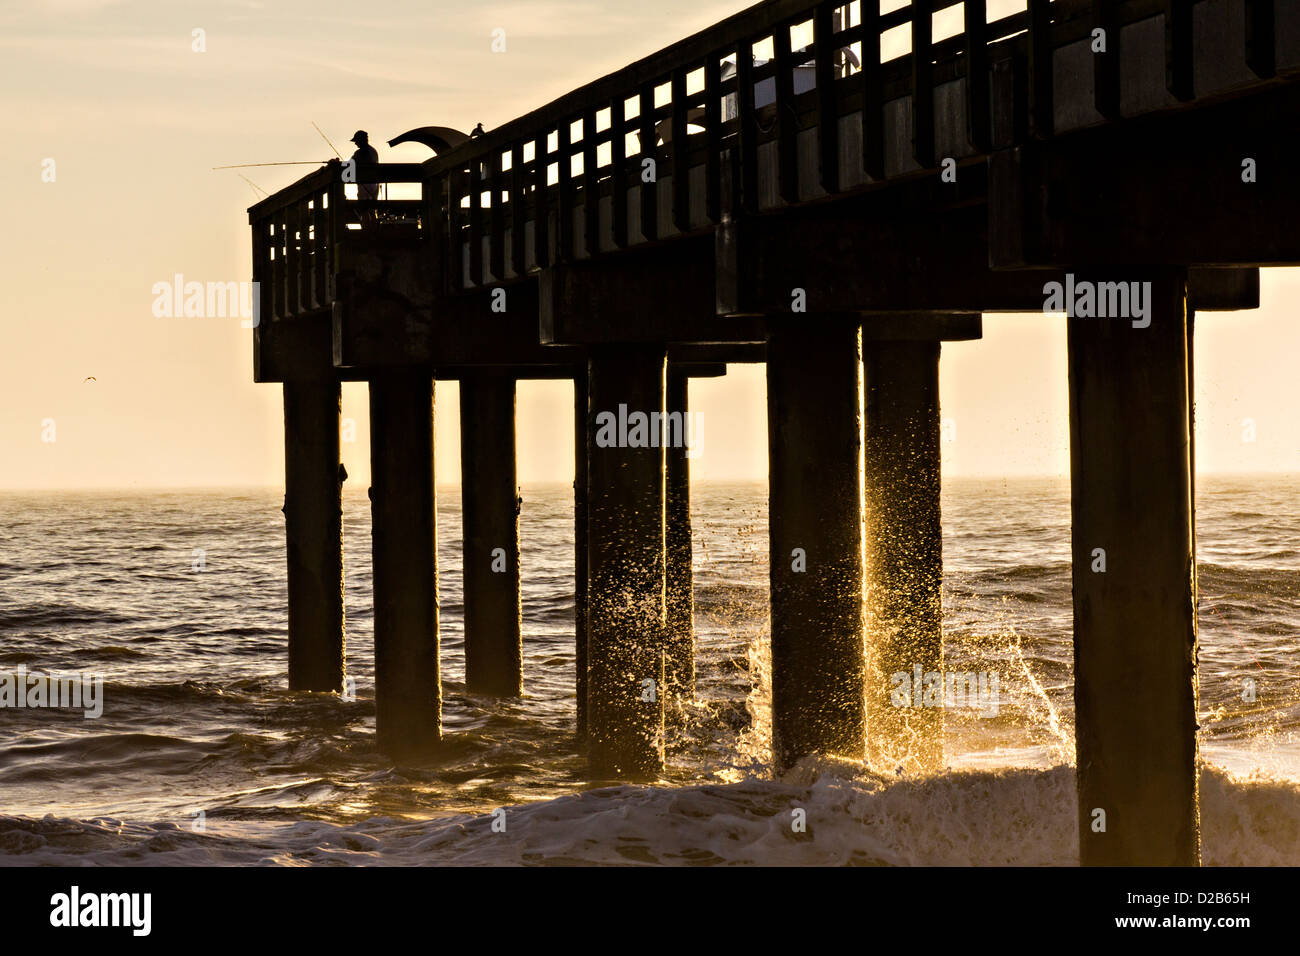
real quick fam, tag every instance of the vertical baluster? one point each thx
(275, 274)
(1041, 118)
(1105, 66)
(455, 231)
(1178, 49)
(713, 138)
(590, 184)
(293, 259)
(873, 99)
(787, 118)
(1261, 44)
(828, 114)
(649, 150)
(518, 211)
(618, 169)
(748, 123)
(320, 252)
(337, 231)
(564, 204)
(476, 220)
(923, 82)
(977, 74)
(261, 268)
(497, 230)
(681, 155)
(541, 206)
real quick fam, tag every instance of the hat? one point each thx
(360, 135)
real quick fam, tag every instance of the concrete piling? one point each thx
(625, 534)
(904, 552)
(408, 693)
(679, 651)
(814, 387)
(1134, 585)
(313, 514)
(490, 526)
(580, 573)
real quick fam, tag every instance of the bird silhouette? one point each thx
(89, 378)
(477, 131)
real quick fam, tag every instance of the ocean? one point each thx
(201, 755)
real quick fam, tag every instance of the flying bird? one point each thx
(89, 378)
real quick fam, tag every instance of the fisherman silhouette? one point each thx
(365, 190)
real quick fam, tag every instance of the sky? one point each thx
(133, 117)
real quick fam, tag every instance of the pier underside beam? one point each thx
(1226, 194)
(490, 525)
(313, 514)
(814, 387)
(885, 255)
(626, 563)
(1134, 584)
(665, 294)
(408, 692)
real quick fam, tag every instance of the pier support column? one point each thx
(814, 421)
(490, 523)
(1134, 584)
(313, 515)
(625, 533)
(679, 652)
(408, 694)
(904, 552)
(580, 572)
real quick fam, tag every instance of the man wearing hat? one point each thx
(365, 154)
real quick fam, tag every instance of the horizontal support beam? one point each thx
(1210, 187)
(922, 327)
(297, 350)
(897, 254)
(661, 295)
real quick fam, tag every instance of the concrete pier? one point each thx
(679, 651)
(313, 516)
(814, 388)
(837, 265)
(625, 534)
(408, 692)
(904, 552)
(1134, 584)
(490, 525)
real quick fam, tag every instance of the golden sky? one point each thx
(133, 118)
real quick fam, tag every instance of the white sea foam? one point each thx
(979, 818)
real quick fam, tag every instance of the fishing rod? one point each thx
(303, 162)
(327, 139)
(256, 188)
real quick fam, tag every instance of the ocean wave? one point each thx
(966, 818)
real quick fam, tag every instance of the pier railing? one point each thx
(788, 102)
(662, 147)
(298, 231)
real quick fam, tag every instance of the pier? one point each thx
(785, 188)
